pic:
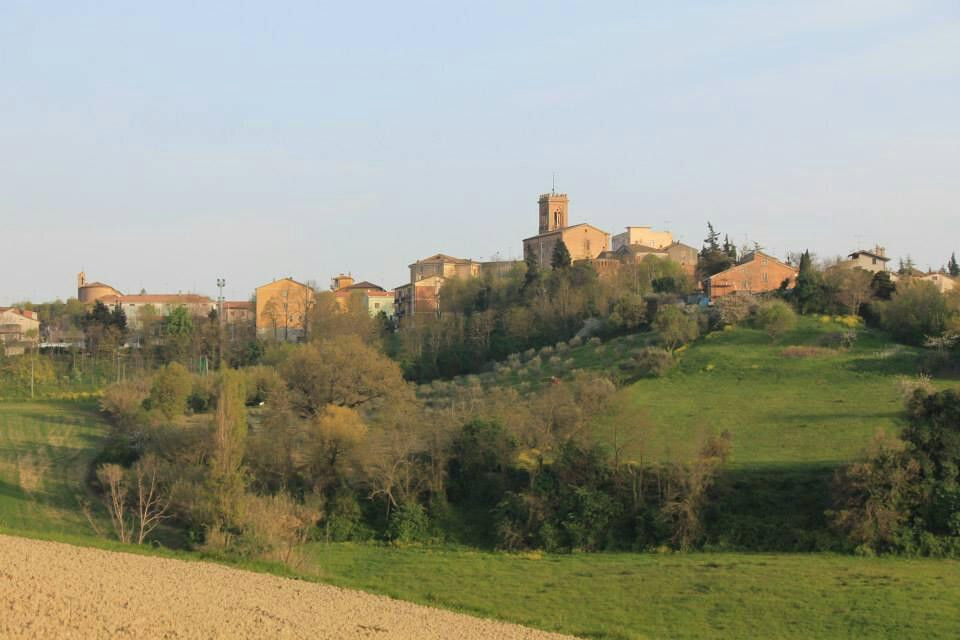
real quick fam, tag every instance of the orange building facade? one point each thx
(756, 273)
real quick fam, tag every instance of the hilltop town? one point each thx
(278, 310)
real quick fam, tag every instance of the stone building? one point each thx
(90, 292)
(158, 305)
(584, 241)
(281, 309)
(756, 272)
(873, 260)
(941, 281)
(372, 297)
(644, 236)
(19, 328)
(239, 312)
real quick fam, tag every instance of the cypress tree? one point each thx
(561, 256)
(953, 266)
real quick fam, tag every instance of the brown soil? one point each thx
(53, 590)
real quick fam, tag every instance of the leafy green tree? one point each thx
(776, 318)
(675, 327)
(169, 390)
(561, 256)
(629, 312)
(226, 483)
(883, 286)
(914, 312)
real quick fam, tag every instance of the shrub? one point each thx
(534, 363)
(408, 523)
(560, 347)
(343, 518)
(734, 309)
(123, 402)
(529, 354)
(546, 352)
(574, 342)
(595, 342)
(775, 317)
(275, 528)
(513, 359)
(653, 362)
(169, 390)
(555, 361)
(839, 339)
(675, 326)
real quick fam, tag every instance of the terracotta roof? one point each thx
(149, 298)
(864, 252)
(442, 257)
(573, 226)
(380, 294)
(30, 315)
(238, 304)
(97, 284)
(362, 285)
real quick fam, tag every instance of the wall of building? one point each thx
(643, 235)
(281, 309)
(761, 273)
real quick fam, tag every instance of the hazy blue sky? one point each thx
(160, 145)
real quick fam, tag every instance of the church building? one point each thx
(584, 241)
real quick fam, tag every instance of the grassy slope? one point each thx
(673, 596)
(45, 447)
(45, 452)
(782, 411)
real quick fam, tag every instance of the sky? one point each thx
(163, 145)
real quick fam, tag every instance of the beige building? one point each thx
(281, 309)
(584, 241)
(874, 260)
(444, 266)
(18, 328)
(377, 302)
(90, 292)
(158, 305)
(643, 236)
(239, 312)
(941, 281)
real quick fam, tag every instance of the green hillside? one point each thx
(784, 407)
(45, 454)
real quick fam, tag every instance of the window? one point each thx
(376, 305)
(763, 276)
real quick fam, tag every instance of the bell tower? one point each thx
(553, 211)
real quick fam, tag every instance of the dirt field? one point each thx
(52, 590)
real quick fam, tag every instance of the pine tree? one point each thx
(808, 293)
(729, 248)
(532, 276)
(712, 242)
(561, 256)
(953, 267)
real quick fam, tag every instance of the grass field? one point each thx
(710, 595)
(792, 420)
(45, 453)
(782, 411)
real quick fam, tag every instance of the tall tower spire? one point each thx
(553, 211)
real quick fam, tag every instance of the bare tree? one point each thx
(111, 477)
(152, 500)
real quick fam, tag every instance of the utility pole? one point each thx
(221, 283)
